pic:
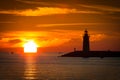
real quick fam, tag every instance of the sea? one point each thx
(19, 67)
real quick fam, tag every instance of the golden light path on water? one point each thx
(30, 72)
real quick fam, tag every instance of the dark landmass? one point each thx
(101, 54)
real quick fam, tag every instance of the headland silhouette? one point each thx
(87, 53)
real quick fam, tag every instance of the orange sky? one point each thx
(59, 25)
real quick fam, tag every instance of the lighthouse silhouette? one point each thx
(86, 44)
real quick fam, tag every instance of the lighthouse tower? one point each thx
(86, 42)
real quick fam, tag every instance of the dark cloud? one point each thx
(14, 5)
(32, 4)
(70, 2)
(14, 41)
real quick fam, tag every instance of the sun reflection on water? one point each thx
(30, 68)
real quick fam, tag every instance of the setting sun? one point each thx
(30, 47)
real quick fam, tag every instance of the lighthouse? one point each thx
(86, 47)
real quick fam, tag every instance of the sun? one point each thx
(30, 47)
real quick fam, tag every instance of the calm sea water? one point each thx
(15, 67)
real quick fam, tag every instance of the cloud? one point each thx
(36, 2)
(14, 41)
(41, 11)
(41, 8)
(92, 6)
(100, 27)
(52, 42)
(84, 9)
(102, 8)
(77, 5)
(8, 42)
(64, 26)
(97, 37)
(69, 24)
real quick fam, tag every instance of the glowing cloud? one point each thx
(97, 37)
(41, 11)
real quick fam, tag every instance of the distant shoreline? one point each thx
(101, 54)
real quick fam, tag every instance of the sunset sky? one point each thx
(58, 25)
